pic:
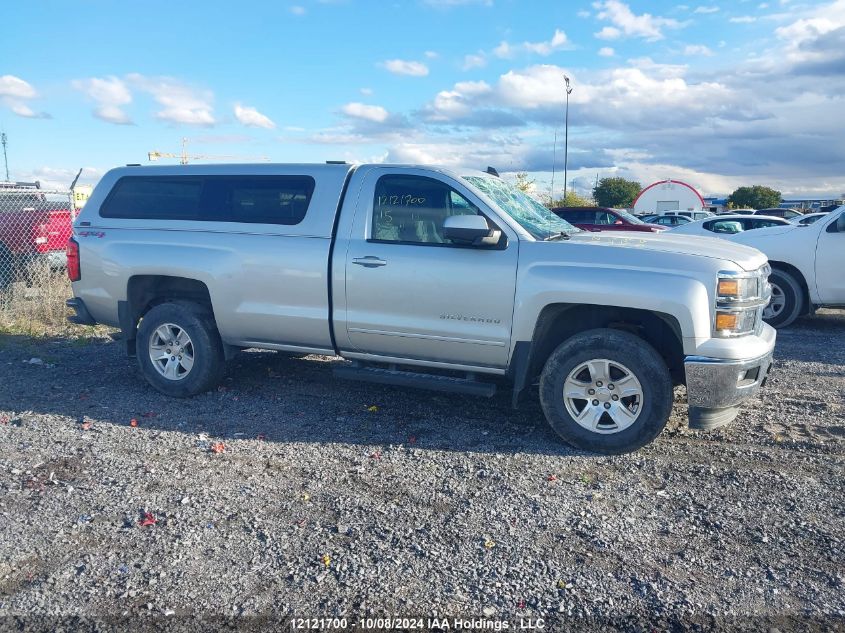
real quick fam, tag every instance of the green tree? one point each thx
(524, 183)
(616, 192)
(572, 199)
(754, 197)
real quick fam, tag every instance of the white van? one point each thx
(692, 215)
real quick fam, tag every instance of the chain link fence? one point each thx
(35, 225)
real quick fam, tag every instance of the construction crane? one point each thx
(184, 157)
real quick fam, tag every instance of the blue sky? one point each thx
(719, 94)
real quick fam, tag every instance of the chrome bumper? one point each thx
(715, 383)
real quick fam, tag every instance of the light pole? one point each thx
(566, 139)
(4, 139)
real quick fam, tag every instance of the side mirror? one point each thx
(471, 230)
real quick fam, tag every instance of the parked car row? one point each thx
(605, 219)
(729, 224)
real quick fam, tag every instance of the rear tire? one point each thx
(787, 302)
(179, 349)
(602, 365)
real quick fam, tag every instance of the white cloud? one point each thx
(404, 67)
(558, 41)
(110, 94)
(431, 54)
(743, 19)
(181, 104)
(609, 33)
(697, 50)
(21, 109)
(456, 103)
(14, 92)
(606, 51)
(252, 118)
(366, 91)
(626, 22)
(706, 10)
(373, 113)
(297, 10)
(16, 88)
(503, 50)
(583, 14)
(474, 61)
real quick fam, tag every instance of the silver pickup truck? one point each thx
(421, 277)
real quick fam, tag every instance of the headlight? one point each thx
(737, 288)
(735, 323)
(740, 299)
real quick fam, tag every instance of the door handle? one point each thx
(369, 261)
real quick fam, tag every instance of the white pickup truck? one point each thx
(808, 265)
(421, 277)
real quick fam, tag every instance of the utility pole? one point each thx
(554, 162)
(5, 140)
(566, 141)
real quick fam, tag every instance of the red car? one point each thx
(605, 219)
(32, 229)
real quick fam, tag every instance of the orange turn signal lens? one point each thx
(726, 321)
(728, 288)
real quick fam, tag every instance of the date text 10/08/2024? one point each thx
(416, 624)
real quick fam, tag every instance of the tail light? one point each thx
(74, 272)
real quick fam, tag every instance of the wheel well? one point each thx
(805, 290)
(559, 322)
(147, 291)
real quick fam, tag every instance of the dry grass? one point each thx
(37, 308)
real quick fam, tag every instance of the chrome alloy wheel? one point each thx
(776, 304)
(171, 351)
(603, 396)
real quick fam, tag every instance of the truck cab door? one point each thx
(411, 293)
(830, 259)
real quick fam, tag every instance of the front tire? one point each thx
(787, 301)
(606, 391)
(179, 349)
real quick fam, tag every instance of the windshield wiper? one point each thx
(562, 235)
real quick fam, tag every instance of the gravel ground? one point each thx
(288, 493)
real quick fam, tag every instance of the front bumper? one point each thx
(716, 383)
(57, 260)
(716, 386)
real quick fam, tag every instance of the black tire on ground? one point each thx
(635, 354)
(207, 348)
(786, 285)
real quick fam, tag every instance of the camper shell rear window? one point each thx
(248, 199)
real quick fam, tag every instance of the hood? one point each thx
(745, 257)
(748, 236)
